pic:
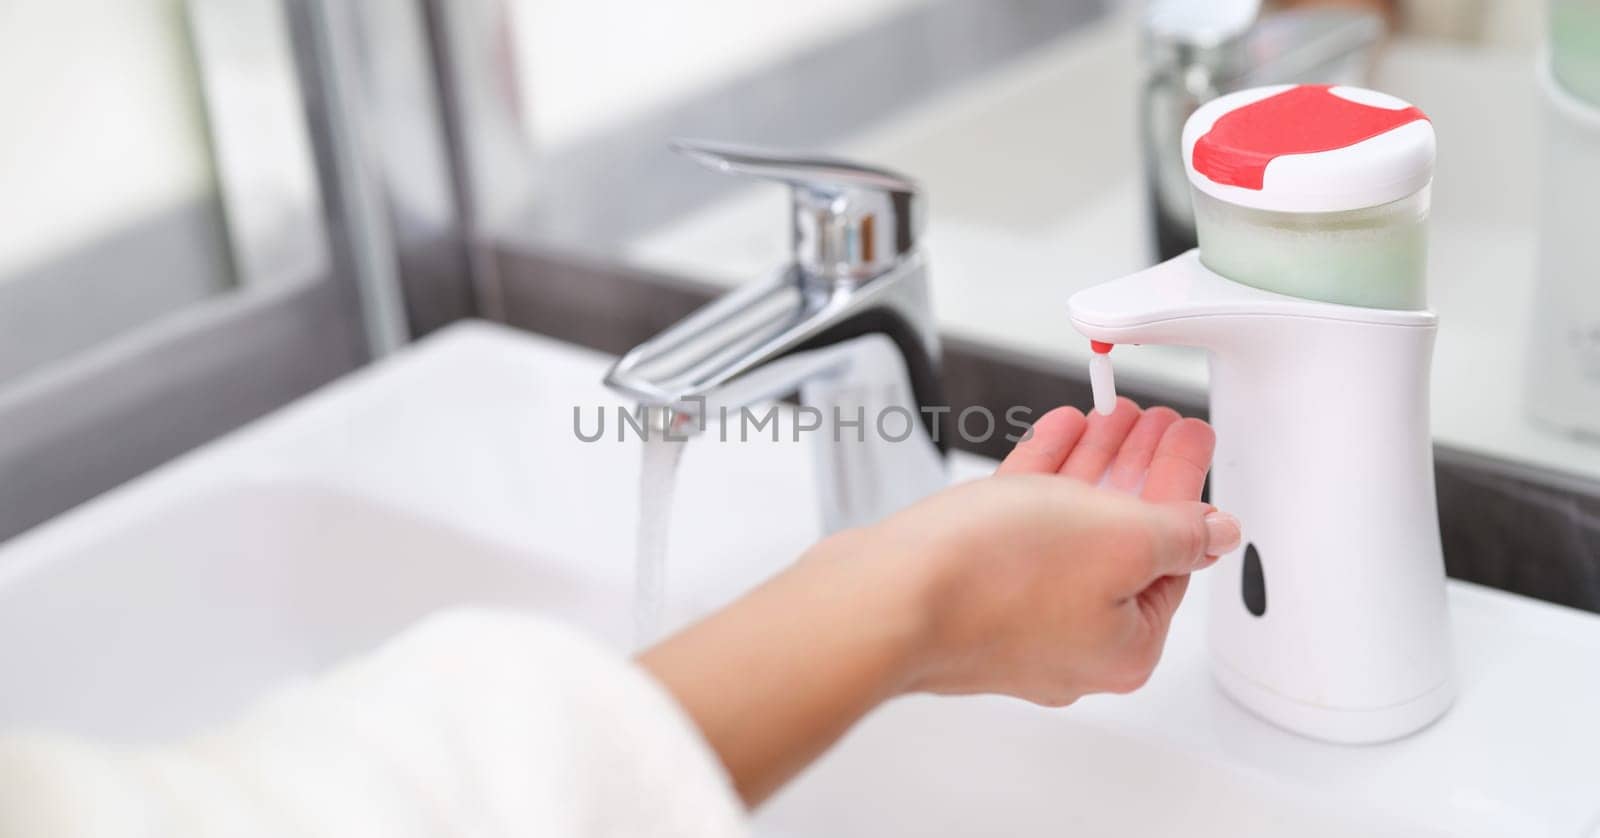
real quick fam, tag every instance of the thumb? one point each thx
(1186, 534)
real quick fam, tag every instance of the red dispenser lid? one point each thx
(1308, 148)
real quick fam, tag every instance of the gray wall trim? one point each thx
(327, 50)
(475, 282)
(1507, 525)
(111, 286)
(87, 425)
(1519, 528)
(247, 57)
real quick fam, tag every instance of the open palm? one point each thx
(1155, 453)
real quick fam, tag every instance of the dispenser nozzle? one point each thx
(1101, 379)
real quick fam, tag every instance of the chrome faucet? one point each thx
(846, 322)
(1197, 50)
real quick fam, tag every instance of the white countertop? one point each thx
(471, 430)
(1017, 225)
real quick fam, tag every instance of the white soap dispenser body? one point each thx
(1331, 619)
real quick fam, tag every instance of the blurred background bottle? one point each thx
(1564, 358)
(1575, 47)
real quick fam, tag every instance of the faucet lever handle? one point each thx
(795, 169)
(852, 222)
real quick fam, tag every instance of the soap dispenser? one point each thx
(1307, 291)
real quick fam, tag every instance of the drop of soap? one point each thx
(1103, 383)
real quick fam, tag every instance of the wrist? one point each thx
(888, 589)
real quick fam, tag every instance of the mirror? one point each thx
(155, 158)
(1023, 123)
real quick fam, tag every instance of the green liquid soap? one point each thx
(1374, 257)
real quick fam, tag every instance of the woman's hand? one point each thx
(1032, 583)
(1048, 588)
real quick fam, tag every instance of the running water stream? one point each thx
(662, 449)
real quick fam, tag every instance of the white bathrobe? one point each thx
(472, 724)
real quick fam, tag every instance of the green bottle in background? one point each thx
(1563, 368)
(1575, 47)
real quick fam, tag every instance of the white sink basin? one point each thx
(452, 474)
(178, 620)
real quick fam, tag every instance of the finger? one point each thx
(1139, 449)
(1047, 447)
(1184, 536)
(1178, 467)
(1102, 437)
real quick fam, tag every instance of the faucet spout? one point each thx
(757, 343)
(847, 324)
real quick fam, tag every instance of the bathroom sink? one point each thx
(452, 474)
(187, 614)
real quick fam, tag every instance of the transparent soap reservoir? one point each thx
(1373, 257)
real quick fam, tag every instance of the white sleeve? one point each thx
(473, 723)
